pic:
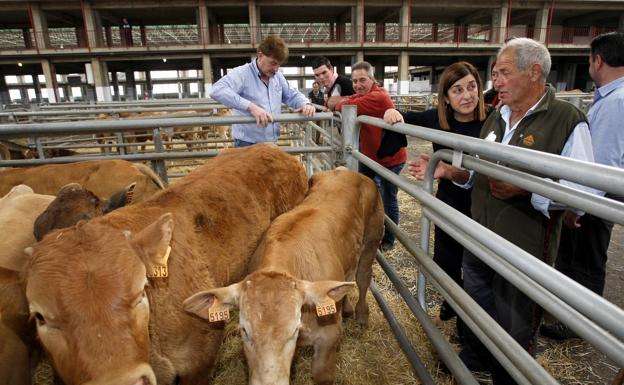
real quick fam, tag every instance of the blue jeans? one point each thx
(388, 193)
(242, 143)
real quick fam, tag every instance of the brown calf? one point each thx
(107, 294)
(103, 177)
(306, 256)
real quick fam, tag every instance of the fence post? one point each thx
(159, 164)
(351, 136)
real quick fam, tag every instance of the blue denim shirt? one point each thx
(606, 124)
(242, 86)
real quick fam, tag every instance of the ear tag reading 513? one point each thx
(159, 269)
(326, 307)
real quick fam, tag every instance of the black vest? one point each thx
(546, 129)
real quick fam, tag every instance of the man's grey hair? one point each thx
(528, 52)
(366, 66)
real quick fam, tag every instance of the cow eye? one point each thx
(141, 298)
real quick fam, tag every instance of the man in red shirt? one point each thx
(373, 100)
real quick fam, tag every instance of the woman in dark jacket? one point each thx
(460, 111)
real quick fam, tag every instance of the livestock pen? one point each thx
(369, 356)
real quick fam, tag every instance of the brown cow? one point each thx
(18, 211)
(107, 294)
(74, 203)
(307, 253)
(14, 357)
(102, 177)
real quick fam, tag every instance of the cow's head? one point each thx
(74, 203)
(86, 288)
(270, 317)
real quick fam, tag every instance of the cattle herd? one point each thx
(120, 281)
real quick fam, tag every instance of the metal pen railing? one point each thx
(595, 319)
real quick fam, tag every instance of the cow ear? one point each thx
(16, 261)
(120, 199)
(319, 291)
(152, 244)
(201, 303)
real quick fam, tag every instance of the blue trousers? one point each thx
(388, 193)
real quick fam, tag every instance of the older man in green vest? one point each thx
(532, 118)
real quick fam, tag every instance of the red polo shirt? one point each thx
(374, 104)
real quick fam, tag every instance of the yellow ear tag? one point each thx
(159, 269)
(326, 307)
(218, 312)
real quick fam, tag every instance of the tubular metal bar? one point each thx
(109, 111)
(53, 106)
(146, 157)
(580, 298)
(49, 129)
(446, 352)
(585, 328)
(402, 339)
(599, 206)
(508, 350)
(603, 177)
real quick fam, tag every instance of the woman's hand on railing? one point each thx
(417, 168)
(392, 116)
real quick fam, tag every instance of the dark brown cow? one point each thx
(107, 294)
(103, 177)
(307, 254)
(74, 203)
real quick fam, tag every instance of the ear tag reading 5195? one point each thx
(326, 307)
(218, 312)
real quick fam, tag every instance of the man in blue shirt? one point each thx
(259, 89)
(584, 242)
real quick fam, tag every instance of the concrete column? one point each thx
(254, 23)
(143, 35)
(359, 56)
(203, 23)
(115, 82)
(207, 70)
(406, 16)
(5, 99)
(130, 86)
(149, 87)
(27, 38)
(340, 31)
(380, 73)
(50, 80)
(93, 24)
(40, 26)
(380, 31)
(499, 24)
(37, 86)
(404, 77)
(23, 89)
(358, 26)
(100, 79)
(487, 81)
(541, 24)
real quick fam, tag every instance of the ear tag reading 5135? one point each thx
(159, 269)
(326, 307)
